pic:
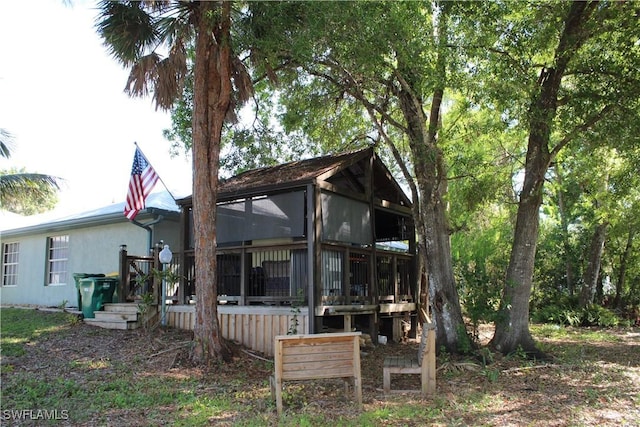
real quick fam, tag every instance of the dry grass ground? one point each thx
(137, 378)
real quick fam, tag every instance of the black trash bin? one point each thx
(77, 277)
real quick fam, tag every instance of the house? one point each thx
(38, 260)
(323, 244)
(314, 245)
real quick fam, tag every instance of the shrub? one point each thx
(595, 315)
(558, 314)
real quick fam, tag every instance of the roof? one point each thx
(159, 203)
(352, 165)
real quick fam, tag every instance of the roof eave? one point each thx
(94, 221)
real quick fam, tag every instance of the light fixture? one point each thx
(165, 257)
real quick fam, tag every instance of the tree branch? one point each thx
(579, 129)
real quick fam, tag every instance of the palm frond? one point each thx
(169, 78)
(127, 29)
(142, 75)
(28, 181)
(6, 141)
(241, 80)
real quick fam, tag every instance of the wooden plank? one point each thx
(255, 326)
(322, 347)
(429, 362)
(266, 331)
(231, 327)
(320, 374)
(245, 327)
(357, 376)
(311, 357)
(278, 375)
(317, 364)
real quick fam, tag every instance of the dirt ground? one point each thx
(600, 386)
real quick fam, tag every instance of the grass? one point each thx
(96, 377)
(19, 328)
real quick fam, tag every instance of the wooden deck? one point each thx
(255, 327)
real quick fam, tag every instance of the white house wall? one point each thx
(91, 250)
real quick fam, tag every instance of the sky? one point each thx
(62, 99)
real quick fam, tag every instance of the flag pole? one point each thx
(159, 178)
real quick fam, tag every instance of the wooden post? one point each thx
(278, 375)
(157, 266)
(428, 373)
(123, 272)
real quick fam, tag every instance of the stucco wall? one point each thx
(91, 250)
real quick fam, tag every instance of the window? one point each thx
(345, 220)
(57, 257)
(10, 253)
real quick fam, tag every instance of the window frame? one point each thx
(57, 246)
(13, 265)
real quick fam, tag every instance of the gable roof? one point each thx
(347, 168)
(159, 203)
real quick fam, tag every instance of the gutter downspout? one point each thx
(147, 227)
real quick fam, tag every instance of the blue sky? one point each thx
(62, 99)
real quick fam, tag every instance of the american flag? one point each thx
(143, 179)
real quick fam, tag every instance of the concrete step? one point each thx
(123, 316)
(112, 324)
(121, 308)
(113, 316)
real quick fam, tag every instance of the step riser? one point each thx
(121, 308)
(121, 316)
(112, 325)
(107, 316)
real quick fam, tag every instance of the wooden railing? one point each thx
(136, 278)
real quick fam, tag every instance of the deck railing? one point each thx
(276, 275)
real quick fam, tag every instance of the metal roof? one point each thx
(160, 203)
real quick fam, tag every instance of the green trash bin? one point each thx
(92, 296)
(109, 285)
(77, 277)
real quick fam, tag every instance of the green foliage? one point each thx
(145, 309)
(295, 308)
(27, 193)
(480, 256)
(520, 353)
(20, 326)
(22, 192)
(557, 315)
(491, 374)
(595, 315)
(331, 63)
(568, 314)
(465, 345)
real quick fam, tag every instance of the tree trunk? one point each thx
(592, 272)
(212, 71)
(431, 176)
(512, 328)
(431, 224)
(624, 259)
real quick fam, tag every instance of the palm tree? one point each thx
(135, 33)
(20, 188)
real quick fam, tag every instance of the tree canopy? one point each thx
(23, 192)
(513, 125)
